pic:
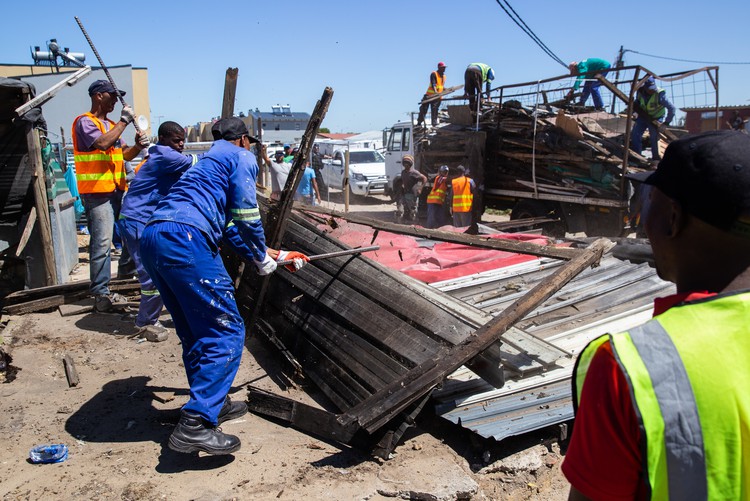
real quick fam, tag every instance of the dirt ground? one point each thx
(116, 423)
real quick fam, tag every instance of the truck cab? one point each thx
(398, 143)
(366, 171)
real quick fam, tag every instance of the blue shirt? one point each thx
(305, 187)
(215, 192)
(156, 176)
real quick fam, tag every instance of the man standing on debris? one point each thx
(155, 177)
(461, 198)
(663, 409)
(654, 102)
(214, 200)
(475, 75)
(99, 155)
(411, 184)
(437, 84)
(592, 66)
(436, 215)
(279, 171)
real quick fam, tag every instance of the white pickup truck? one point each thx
(366, 171)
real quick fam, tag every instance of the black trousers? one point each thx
(473, 85)
(433, 105)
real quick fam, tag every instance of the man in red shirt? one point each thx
(698, 222)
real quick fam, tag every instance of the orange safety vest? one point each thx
(440, 83)
(439, 189)
(462, 197)
(98, 171)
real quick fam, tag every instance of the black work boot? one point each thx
(231, 410)
(193, 434)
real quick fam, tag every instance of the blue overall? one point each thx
(215, 200)
(152, 182)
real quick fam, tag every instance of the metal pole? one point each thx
(104, 67)
(333, 254)
(346, 179)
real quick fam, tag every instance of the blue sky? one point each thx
(377, 56)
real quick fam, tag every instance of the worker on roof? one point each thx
(475, 75)
(99, 154)
(653, 101)
(436, 211)
(213, 201)
(461, 198)
(663, 410)
(437, 84)
(588, 69)
(163, 167)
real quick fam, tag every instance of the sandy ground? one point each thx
(117, 420)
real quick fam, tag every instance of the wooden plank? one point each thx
(26, 231)
(230, 90)
(40, 202)
(120, 285)
(459, 238)
(46, 303)
(386, 403)
(70, 371)
(77, 308)
(304, 417)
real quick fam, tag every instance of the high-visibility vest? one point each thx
(98, 171)
(485, 69)
(462, 197)
(652, 106)
(688, 375)
(440, 83)
(439, 189)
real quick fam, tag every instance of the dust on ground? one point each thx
(116, 423)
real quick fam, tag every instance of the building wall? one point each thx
(70, 102)
(704, 119)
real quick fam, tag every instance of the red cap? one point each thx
(441, 64)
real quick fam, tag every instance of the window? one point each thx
(394, 141)
(365, 157)
(405, 144)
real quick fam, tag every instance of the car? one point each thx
(366, 171)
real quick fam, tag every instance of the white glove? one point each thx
(267, 266)
(297, 262)
(127, 115)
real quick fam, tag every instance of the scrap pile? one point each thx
(574, 155)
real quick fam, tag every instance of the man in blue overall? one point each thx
(162, 169)
(214, 200)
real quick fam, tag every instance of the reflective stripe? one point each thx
(152, 293)
(462, 197)
(652, 106)
(683, 436)
(437, 195)
(246, 214)
(107, 176)
(439, 84)
(194, 159)
(582, 366)
(100, 157)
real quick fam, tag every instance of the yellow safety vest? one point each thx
(439, 85)
(462, 197)
(689, 375)
(652, 106)
(98, 171)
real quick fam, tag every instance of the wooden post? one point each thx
(346, 180)
(41, 204)
(230, 90)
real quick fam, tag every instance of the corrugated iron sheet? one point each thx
(613, 297)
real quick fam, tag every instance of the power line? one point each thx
(684, 60)
(525, 28)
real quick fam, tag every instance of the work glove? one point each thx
(267, 266)
(298, 259)
(127, 115)
(141, 139)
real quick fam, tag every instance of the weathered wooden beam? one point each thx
(119, 285)
(70, 371)
(374, 412)
(447, 236)
(41, 204)
(230, 90)
(27, 229)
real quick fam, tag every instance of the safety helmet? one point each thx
(490, 74)
(443, 170)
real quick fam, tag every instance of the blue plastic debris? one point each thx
(50, 453)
